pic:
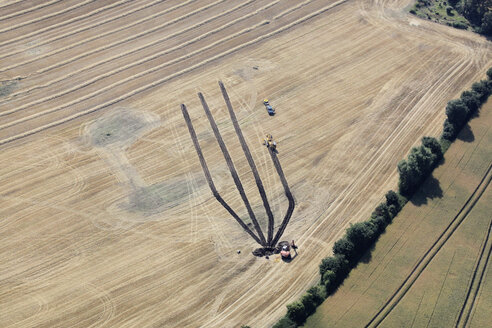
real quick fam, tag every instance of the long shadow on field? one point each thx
(269, 243)
(466, 134)
(430, 189)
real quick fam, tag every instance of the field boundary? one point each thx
(481, 268)
(424, 261)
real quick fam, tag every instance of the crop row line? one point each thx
(429, 255)
(10, 3)
(480, 267)
(38, 19)
(294, 8)
(98, 36)
(71, 32)
(126, 53)
(62, 23)
(30, 9)
(171, 76)
(143, 60)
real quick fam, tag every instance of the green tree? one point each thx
(333, 263)
(424, 159)
(486, 27)
(472, 100)
(434, 146)
(328, 277)
(382, 210)
(285, 322)
(483, 89)
(449, 130)
(457, 112)
(344, 247)
(408, 174)
(309, 303)
(392, 199)
(361, 234)
(489, 73)
(474, 10)
(317, 293)
(380, 223)
(296, 312)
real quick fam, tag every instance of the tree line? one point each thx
(361, 236)
(477, 12)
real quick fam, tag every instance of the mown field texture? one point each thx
(432, 267)
(106, 216)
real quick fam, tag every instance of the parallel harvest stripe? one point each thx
(143, 60)
(25, 11)
(68, 21)
(38, 19)
(169, 77)
(120, 55)
(118, 42)
(88, 27)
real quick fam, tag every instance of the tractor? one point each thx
(269, 108)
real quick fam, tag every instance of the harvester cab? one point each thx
(284, 250)
(269, 142)
(269, 108)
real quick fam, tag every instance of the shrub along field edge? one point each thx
(361, 236)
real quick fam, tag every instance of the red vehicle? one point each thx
(285, 252)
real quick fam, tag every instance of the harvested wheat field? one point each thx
(432, 266)
(107, 218)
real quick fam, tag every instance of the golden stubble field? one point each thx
(432, 266)
(106, 218)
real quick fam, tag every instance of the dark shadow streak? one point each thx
(252, 164)
(209, 177)
(288, 194)
(232, 169)
(431, 189)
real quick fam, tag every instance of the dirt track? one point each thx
(354, 83)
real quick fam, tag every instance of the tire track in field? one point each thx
(424, 261)
(38, 19)
(171, 76)
(63, 23)
(474, 287)
(428, 99)
(101, 35)
(350, 192)
(127, 53)
(32, 8)
(425, 99)
(109, 19)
